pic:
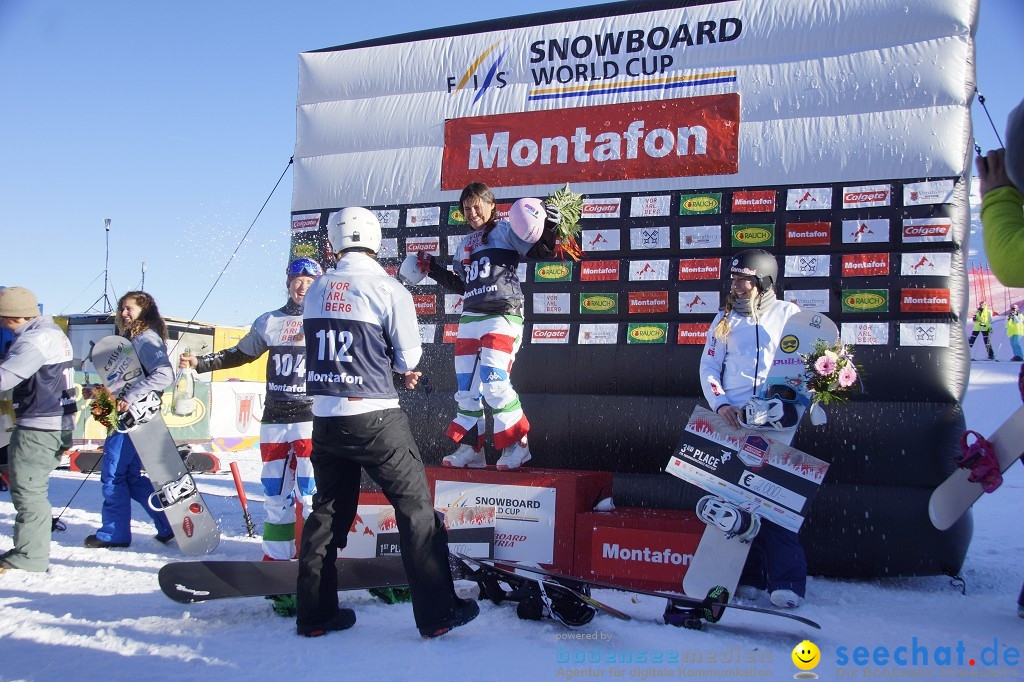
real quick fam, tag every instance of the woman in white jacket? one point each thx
(738, 353)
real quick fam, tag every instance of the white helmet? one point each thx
(526, 217)
(354, 228)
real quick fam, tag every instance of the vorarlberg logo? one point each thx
(471, 77)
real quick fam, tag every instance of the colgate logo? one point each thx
(599, 209)
(550, 333)
(926, 230)
(865, 196)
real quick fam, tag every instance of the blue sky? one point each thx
(175, 120)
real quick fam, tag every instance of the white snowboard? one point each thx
(956, 494)
(194, 527)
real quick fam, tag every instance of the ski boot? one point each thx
(728, 518)
(981, 460)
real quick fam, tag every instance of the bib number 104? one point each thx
(334, 345)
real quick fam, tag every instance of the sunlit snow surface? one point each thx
(99, 615)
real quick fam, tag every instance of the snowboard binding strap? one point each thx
(172, 493)
(981, 459)
(728, 518)
(565, 606)
(711, 610)
(776, 410)
(139, 412)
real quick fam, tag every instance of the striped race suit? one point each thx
(287, 424)
(490, 331)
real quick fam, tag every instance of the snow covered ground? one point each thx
(99, 615)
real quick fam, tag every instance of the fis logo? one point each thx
(471, 78)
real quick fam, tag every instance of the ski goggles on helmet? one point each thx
(304, 267)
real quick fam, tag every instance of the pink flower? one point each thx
(824, 365)
(847, 375)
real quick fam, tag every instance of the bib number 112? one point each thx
(334, 345)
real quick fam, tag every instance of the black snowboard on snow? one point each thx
(195, 581)
(537, 593)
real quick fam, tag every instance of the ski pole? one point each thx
(249, 527)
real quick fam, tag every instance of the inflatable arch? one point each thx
(835, 137)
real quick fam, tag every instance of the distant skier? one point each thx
(738, 354)
(287, 424)
(491, 326)
(982, 325)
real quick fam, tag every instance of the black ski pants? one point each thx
(381, 443)
(984, 337)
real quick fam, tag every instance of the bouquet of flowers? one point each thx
(102, 407)
(571, 206)
(829, 372)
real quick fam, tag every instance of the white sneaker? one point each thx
(786, 599)
(465, 456)
(748, 592)
(513, 457)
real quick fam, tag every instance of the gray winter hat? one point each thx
(18, 302)
(1015, 146)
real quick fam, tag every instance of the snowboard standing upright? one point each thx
(755, 469)
(175, 492)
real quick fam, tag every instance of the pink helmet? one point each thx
(527, 218)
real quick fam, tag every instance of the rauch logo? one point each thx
(304, 250)
(865, 300)
(753, 235)
(555, 272)
(647, 333)
(599, 303)
(690, 204)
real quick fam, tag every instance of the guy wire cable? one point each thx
(232, 256)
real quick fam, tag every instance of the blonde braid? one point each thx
(722, 329)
